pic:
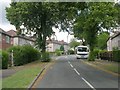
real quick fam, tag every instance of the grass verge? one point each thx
(105, 65)
(23, 77)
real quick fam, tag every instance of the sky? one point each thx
(6, 26)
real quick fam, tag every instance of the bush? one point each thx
(96, 53)
(45, 57)
(70, 52)
(5, 57)
(24, 54)
(116, 55)
(91, 56)
(58, 52)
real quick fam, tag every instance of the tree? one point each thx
(33, 16)
(102, 40)
(40, 17)
(92, 20)
(74, 43)
(61, 48)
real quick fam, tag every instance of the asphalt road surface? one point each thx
(69, 72)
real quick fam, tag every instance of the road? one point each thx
(69, 72)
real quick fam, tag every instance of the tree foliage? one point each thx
(73, 43)
(93, 19)
(102, 40)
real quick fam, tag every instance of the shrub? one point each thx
(96, 53)
(58, 52)
(91, 56)
(5, 57)
(24, 54)
(116, 55)
(45, 57)
(70, 52)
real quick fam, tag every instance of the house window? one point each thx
(0, 37)
(7, 39)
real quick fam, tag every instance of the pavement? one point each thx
(8, 72)
(69, 72)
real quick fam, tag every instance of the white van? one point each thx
(82, 52)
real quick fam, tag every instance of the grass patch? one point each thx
(110, 66)
(113, 68)
(24, 77)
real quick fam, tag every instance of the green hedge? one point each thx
(5, 57)
(110, 55)
(24, 54)
(116, 55)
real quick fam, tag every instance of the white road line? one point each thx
(88, 83)
(76, 71)
(68, 62)
(71, 65)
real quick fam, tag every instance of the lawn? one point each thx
(24, 77)
(106, 65)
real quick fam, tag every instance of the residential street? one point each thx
(69, 72)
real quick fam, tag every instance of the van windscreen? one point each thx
(82, 49)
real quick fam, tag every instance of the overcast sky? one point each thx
(5, 24)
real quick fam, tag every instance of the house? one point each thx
(52, 45)
(10, 38)
(113, 41)
(5, 40)
(20, 39)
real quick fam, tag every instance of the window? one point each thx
(7, 39)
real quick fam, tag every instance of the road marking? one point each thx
(88, 83)
(71, 65)
(76, 71)
(68, 62)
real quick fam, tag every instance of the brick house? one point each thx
(5, 40)
(10, 38)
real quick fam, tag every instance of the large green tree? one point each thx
(40, 17)
(93, 19)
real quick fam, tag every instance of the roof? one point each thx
(113, 36)
(57, 42)
(25, 37)
(12, 32)
(3, 32)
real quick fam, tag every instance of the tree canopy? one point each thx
(73, 43)
(93, 19)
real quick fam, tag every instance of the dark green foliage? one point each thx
(116, 55)
(5, 57)
(61, 48)
(45, 57)
(24, 54)
(110, 55)
(91, 56)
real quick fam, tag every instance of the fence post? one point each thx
(12, 58)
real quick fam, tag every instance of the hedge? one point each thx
(24, 54)
(5, 57)
(110, 55)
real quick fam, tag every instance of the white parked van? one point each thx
(82, 52)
